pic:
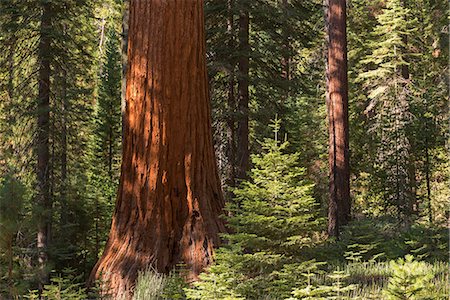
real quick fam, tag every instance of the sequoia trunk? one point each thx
(337, 104)
(169, 198)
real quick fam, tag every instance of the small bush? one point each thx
(410, 280)
(62, 287)
(151, 285)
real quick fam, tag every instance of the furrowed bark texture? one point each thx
(337, 104)
(169, 198)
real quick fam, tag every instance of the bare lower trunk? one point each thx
(337, 104)
(169, 200)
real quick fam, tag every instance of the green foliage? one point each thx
(427, 243)
(397, 121)
(217, 282)
(390, 104)
(62, 287)
(274, 220)
(337, 288)
(381, 239)
(379, 280)
(399, 132)
(151, 285)
(369, 240)
(286, 68)
(105, 143)
(410, 280)
(175, 285)
(12, 269)
(276, 211)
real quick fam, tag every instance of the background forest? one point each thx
(266, 70)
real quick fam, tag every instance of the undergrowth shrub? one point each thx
(333, 286)
(411, 279)
(62, 287)
(151, 285)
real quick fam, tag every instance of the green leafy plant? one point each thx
(411, 279)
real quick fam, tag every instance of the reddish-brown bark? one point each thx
(169, 198)
(337, 104)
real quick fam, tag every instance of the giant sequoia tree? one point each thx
(169, 198)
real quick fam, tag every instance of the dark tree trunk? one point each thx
(243, 154)
(427, 177)
(337, 104)
(42, 145)
(169, 199)
(230, 179)
(285, 66)
(64, 111)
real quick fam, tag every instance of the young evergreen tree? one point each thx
(275, 219)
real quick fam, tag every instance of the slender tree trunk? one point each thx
(427, 174)
(230, 180)
(169, 199)
(285, 65)
(337, 104)
(42, 145)
(64, 146)
(10, 256)
(242, 152)
(10, 253)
